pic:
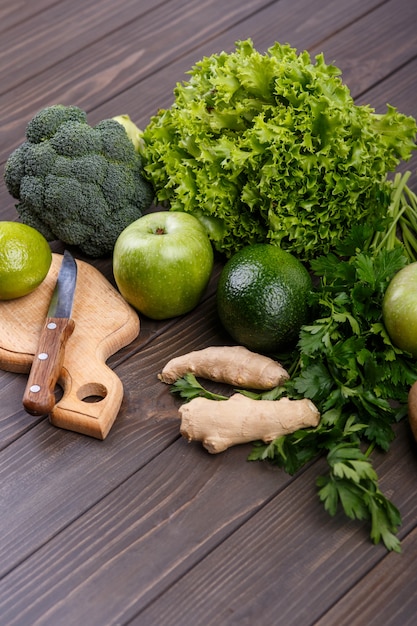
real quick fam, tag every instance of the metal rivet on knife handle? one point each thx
(39, 398)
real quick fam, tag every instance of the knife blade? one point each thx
(39, 398)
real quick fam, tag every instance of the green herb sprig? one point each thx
(399, 227)
(347, 365)
(188, 388)
(359, 381)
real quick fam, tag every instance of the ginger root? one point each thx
(234, 365)
(221, 424)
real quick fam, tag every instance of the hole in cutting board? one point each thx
(92, 392)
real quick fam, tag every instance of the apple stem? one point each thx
(160, 231)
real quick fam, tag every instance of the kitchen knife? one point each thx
(39, 398)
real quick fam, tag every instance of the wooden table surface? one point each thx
(143, 528)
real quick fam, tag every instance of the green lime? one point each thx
(25, 259)
(262, 297)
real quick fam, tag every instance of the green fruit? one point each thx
(399, 309)
(162, 263)
(25, 259)
(262, 297)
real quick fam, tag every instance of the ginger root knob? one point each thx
(221, 424)
(234, 365)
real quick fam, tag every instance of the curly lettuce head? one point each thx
(271, 147)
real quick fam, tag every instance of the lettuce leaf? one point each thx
(272, 148)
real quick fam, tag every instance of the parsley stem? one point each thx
(370, 449)
(294, 367)
(389, 239)
(409, 241)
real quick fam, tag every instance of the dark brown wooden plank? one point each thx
(13, 421)
(90, 74)
(12, 13)
(59, 31)
(136, 542)
(53, 477)
(252, 561)
(269, 26)
(390, 586)
(291, 562)
(388, 31)
(397, 89)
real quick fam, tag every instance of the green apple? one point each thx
(399, 309)
(162, 263)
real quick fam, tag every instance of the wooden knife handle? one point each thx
(39, 398)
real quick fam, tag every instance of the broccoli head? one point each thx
(78, 183)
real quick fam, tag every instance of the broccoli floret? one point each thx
(14, 170)
(75, 139)
(45, 123)
(126, 215)
(115, 146)
(29, 217)
(31, 193)
(77, 183)
(39, 158)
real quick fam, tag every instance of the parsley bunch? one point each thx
(358, 380)
(347, 365)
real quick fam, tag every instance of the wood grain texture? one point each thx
(152, 530)
(52, 34)
(390, 34)
(147, 423)
(388, 580)
(104, 66)
(142, 528)
(289, 560)
(104, 323)
(14, 421)
(12, 14)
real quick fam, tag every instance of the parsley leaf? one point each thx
(352, 482)
(347, 365)
(358, 380)
(188, 388)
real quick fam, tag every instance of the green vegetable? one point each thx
(77, 183)
(271, 147)
(358, 380)
(400, 224)
(347, 365)
(188, 388)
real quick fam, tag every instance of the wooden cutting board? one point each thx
(104, 323)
